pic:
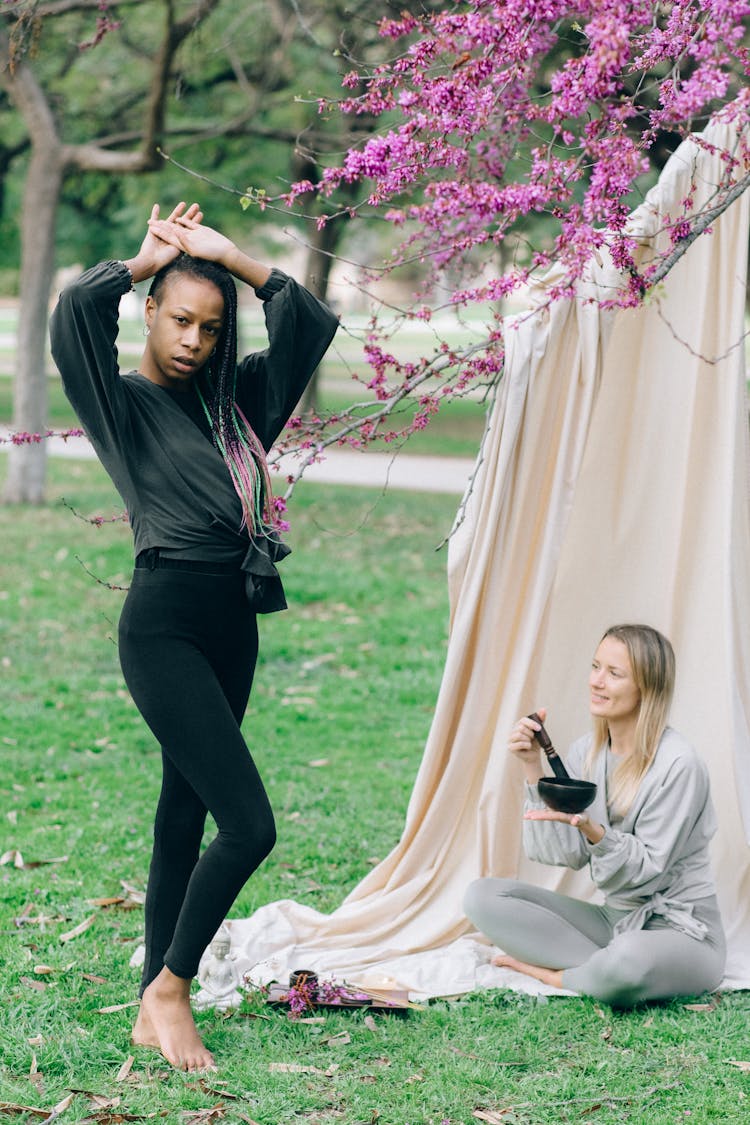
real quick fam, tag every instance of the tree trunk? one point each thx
(317, 273)
(27, 463)
(49, 161)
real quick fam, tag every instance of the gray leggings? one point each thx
(552, 930)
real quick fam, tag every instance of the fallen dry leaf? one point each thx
(78, 930)
(100, 1101)
(129, 901)
(134, 893)
(35, 1075)
(493, 1117)
(37, 985)
(339, 1040)
(740, 1065)
(117, 1007)
(699, 1007)
(125, 1069)
(94, 978)
(11, 1108)
(316, 763)
(309, 665)
(43, 970)
(293, 1068)
(60, 1108)
(12, 857)
(369, 1022)
(38, 920)
(37, 1041)
(201, 1084)
(301, 1068)
(107, 1117)
(215, 1113)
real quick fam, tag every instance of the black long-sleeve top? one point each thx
(175, 485)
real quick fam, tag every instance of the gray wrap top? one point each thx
(176, 488)
(655, 859)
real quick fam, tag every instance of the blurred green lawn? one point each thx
(340, 711)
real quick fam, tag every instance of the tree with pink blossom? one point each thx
(504, 120)
(505, 137)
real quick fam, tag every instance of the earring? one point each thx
(146, 330)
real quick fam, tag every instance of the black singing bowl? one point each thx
(566, 794)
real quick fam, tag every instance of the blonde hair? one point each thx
(652, 664)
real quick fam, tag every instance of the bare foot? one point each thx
(552, 977)
(165, 1021)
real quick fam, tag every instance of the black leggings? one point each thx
(188, 647)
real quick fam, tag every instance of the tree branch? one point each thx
(94, 156)
(27, 96)
(60, 7)
(701, 224)
(381, 410)
(176, 32)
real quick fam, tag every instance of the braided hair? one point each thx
(233, 435)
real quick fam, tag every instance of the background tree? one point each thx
(104, 114)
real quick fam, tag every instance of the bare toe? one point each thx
(166, 1022)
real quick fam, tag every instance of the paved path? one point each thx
(341, 466)
(378, 470)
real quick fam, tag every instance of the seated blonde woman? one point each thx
(645, 839)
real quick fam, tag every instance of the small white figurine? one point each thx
(218, 977)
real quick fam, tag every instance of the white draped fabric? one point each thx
(612, 487)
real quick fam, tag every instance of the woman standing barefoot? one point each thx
(184, 440)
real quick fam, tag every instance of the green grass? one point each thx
(350, 675)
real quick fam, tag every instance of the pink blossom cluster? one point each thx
(302, 996)
(23, 437)
(703, 38)
(307, 991)
(501, 119)
(104, 24)
(280, 522)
